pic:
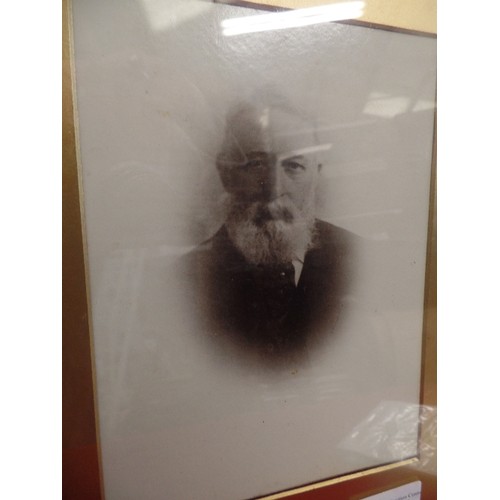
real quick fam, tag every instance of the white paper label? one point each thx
(410, 491)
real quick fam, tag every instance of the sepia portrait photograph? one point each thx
(256, 195)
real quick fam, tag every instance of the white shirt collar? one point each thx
(298, 264)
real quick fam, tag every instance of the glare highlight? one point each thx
(293, 18)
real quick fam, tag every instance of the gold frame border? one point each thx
(74, 219)
(340, 479)
(72, 173)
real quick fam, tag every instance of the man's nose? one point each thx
(271, 182)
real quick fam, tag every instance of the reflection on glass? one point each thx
(164, 15)
(293, 18)
(383, 105)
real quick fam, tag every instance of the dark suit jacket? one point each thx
(259, 308)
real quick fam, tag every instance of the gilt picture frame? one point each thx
(120, 185)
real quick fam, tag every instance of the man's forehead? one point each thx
(269, 129)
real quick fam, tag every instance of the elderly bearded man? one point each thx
(273, 279)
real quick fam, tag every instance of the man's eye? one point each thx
(293, 166)
(255, 163)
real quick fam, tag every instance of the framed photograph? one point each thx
(257, 203)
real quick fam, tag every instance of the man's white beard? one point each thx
(270, 233)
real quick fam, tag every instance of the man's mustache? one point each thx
(265, 212)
